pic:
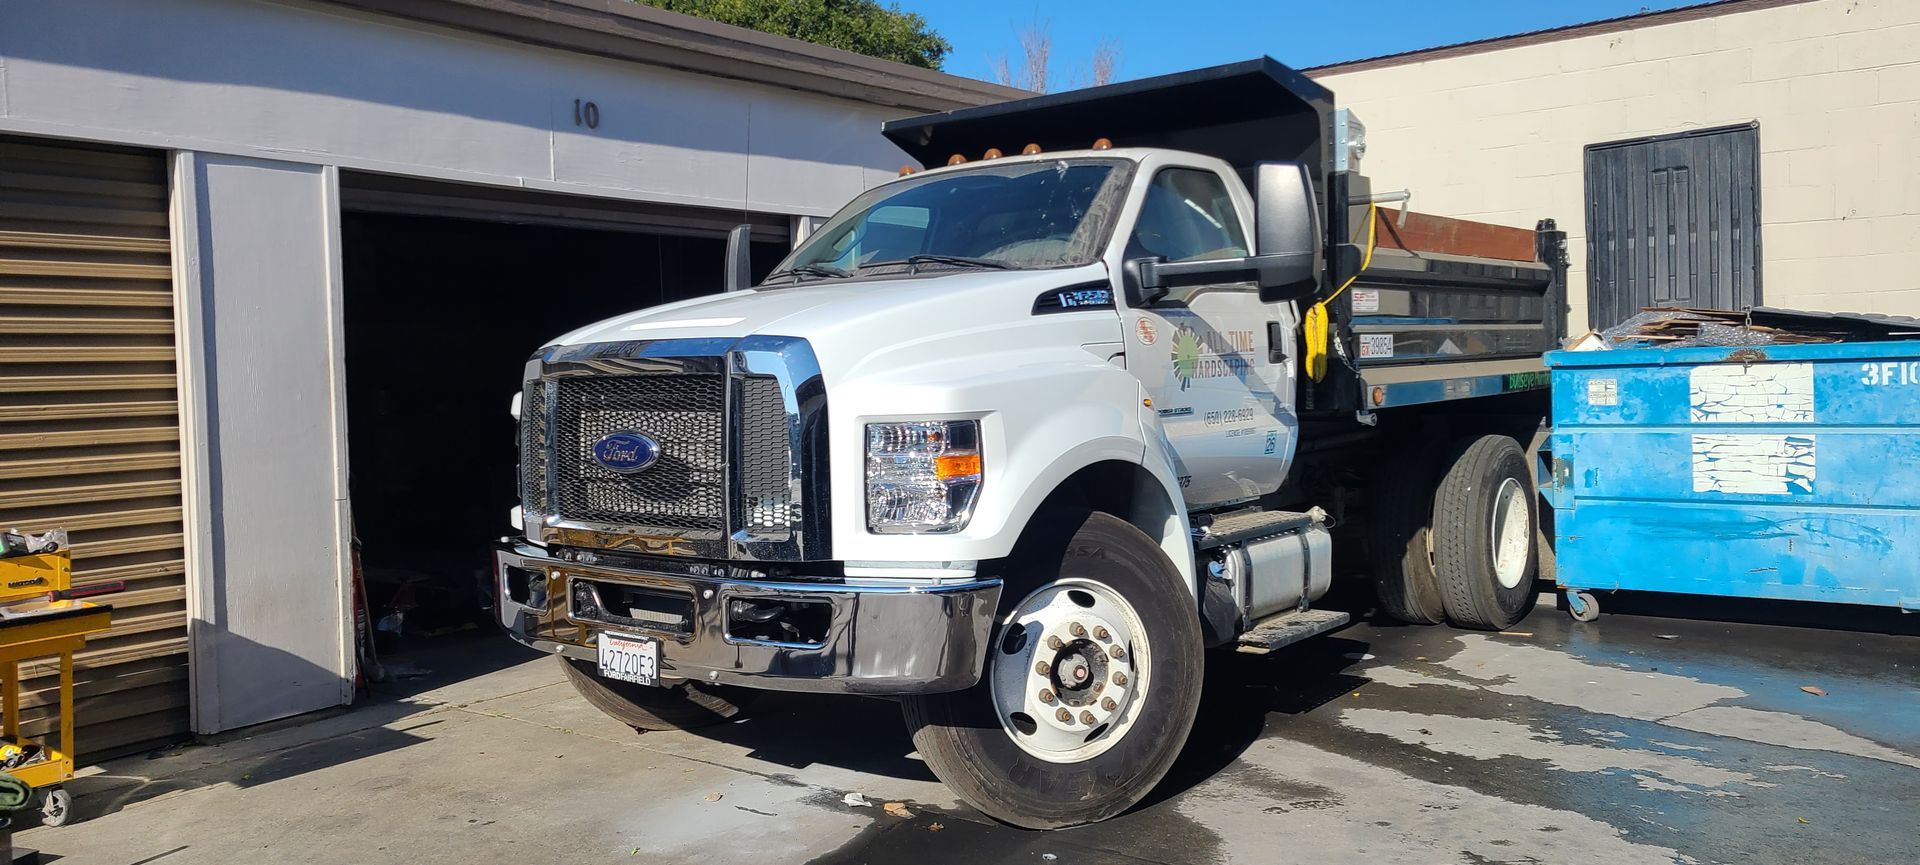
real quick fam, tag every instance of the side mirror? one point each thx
(740, 258)
(1286, 231)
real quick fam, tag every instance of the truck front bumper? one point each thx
(895, 639)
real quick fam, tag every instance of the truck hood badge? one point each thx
(625, 452)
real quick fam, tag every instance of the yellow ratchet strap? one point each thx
(1314, 326)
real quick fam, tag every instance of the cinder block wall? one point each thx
(1835, 85)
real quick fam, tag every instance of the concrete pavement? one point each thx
(1629, 740)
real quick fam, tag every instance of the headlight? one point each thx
(922, 476)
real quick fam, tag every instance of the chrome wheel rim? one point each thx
(1511, 533)
(1070, 671)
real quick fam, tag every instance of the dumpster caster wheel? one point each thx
(56, 807)
(1582, 606)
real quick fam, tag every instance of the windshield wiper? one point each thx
(912, 261)
(800, 270)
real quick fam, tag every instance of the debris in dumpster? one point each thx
(1684, 327)
(1815, 690)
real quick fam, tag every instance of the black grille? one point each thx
(766, 491)
(533, 452)
(684, 413)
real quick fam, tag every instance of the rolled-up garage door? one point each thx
(89, 424)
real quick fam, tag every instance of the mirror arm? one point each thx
(739, 275)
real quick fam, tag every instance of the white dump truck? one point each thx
(1112, 379)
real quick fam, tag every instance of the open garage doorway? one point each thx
(447, 293)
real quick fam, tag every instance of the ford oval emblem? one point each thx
(625, 452)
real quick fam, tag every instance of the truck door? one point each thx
(1217, 362)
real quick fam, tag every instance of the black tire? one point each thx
(1463, 513)
(1400, 524)
(964, 744)
(643, 707)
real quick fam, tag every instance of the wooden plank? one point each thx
(35, 324)
(84, 353)
(83, 269)
(107, 520)
(79, 186)
(17, 295)
(95, 657)
(140, 571)
(65, 383)
(64, 495)
(80, 213)
(39, 692)
(122, 546)
(88, 410)
(87, 465)
(1448, 236)
(85, 242)
(88, 437)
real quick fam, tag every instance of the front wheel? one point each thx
(1091, 683)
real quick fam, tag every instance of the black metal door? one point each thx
(1673, 221)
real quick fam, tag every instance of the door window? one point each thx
(1187, 215)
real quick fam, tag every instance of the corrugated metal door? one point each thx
(89, 426)
(1673, 221)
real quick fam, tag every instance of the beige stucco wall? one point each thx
(1835, 85)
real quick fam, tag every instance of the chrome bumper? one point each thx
(880, 640)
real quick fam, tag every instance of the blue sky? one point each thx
(1160, 36)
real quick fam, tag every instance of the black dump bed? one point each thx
(1448, 309)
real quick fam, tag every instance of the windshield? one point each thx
(1026, 215)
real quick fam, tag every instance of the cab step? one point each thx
(1290, 627)
(1250, 525)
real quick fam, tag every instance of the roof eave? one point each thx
(629, 31)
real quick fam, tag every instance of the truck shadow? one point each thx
(1244, 693)
(1240, 695)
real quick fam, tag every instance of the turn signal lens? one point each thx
(951, 466)
(922, 476)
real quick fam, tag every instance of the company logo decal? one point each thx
(1209, 353)
(625, 452)
(1147, 332)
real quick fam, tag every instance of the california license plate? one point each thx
(630, 659)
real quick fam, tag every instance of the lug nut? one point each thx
(1055, 643)
(1099, 686)
(1046, 695)
(1108, 704)
(1042, 668)
(1118, 651)
(1100, 633)
(1065, 716)
(1077, 629)
(1086, 718)
(1119, 678)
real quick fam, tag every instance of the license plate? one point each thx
(630, 659)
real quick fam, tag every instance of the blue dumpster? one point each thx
(1781, 471)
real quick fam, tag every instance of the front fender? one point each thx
(1040, 423)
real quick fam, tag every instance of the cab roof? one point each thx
(1244, 113)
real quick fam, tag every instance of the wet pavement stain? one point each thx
(1598, 743)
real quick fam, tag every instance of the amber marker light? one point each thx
(907, 169)
(992, 153)
(956, 159)
(949, 466)
(1102, 144)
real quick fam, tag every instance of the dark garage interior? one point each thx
(441, 314)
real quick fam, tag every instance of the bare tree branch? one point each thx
(1106, 61)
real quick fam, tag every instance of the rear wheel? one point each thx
(1484, 528)
(1091, 683)
(1399, 533)
(644, 707)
